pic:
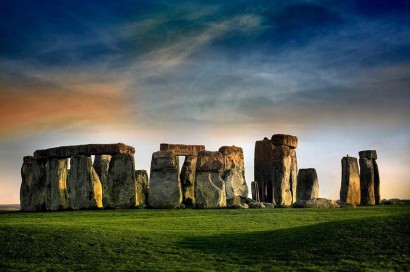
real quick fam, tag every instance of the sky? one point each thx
(334, 73)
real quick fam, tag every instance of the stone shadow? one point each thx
(347, 245)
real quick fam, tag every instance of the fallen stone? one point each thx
(238, 206)
(350, 186)
(345, 205)
(26, 182)
(91, 149)
(392, 201)
(316, 203)
(83, 186)
(122, 182)
(268, 205)
(286, 140)
(164, 190)
(101, 165)
(57, 180)
(368, 154)
(141, 177)
(187, 177)
(367, 196)
(182, 150)
(308, 185)
(256, 205)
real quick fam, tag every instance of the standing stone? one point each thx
(26, 182)
(282, 175)
(101, 165)
(188, 180)
(234, 174)
(308, 185)
(37, 197)
(84, 186)
(121, 182)
(263, 169)
(209, 185)
(255, 191)
(141, 177)
(376, 183)
(369, 172)
(164, 186)
(57, 198)
(350, 187)
(276, 169)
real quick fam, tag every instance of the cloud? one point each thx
(49, 99)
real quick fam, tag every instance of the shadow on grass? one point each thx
(372, 243)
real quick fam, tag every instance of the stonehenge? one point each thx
(275, 169)
(97, 176)
(49, 184)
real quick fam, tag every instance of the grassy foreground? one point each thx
(361, 239)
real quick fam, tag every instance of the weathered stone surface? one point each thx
(210, 161)
(345, 205)
(234, 173)
(263, 169)
(284, 177)
(181, 149)
(393, 201)
(350, 186)
(101, 165)
(37, 196)
(255, 205)
(26, 183)
(209, 189)
(164, 160)
(28, 159)
(238, 206)
(284, 139)
(57, 198)
(255, 191)
(233, 157)
(121, 182)
(368, 154)
(293, 174)
(316, 203)
(308, 185)
(164, 186)
(83, 186)
(141, 177)
(268, 205)
(235, 184)
(376, 183)
(187, 177)
(367, 196)
(91, 149)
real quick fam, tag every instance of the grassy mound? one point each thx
(365, 238)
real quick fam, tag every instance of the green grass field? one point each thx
(361, 239)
